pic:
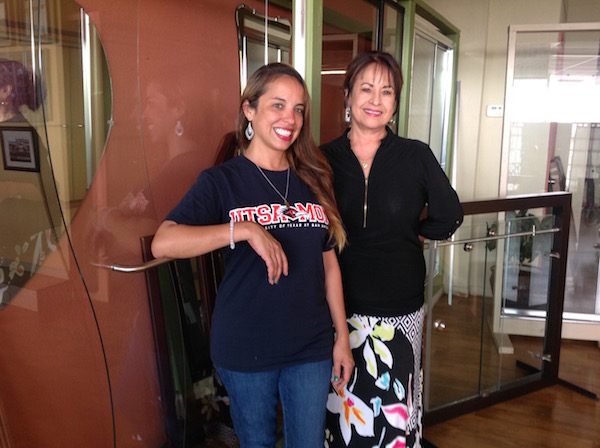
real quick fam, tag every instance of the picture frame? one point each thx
(20, 150)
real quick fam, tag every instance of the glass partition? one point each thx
(393, 28)
(551, 142)
(346, 32)
(431, 89)
(128, 103)
(55, 111)
(502, 262)
(51, 147)
(262, 39)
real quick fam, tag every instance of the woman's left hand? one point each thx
(343, 363)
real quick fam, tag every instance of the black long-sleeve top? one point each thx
(383, 268)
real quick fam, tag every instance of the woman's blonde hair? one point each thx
(304, 156)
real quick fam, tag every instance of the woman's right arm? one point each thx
(173, 240)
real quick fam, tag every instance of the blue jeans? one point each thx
(254, 396)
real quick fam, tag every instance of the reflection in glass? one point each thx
(430, 90)
(391, 41)
(508, 272)
(30, 218)
(49, 52)
(257, 50)
(552, 140)
(346, 32)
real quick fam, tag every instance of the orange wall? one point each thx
(78, 321)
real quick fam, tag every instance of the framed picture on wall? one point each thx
(20, 149)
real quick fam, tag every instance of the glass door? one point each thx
(551, 142)
(262, 39)
(431, 88)
(346, 32)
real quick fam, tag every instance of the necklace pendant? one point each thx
(365, 165)
(287, 186)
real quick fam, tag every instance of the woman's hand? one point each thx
(267, 248)
(343, 362)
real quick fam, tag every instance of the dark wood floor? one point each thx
(555, 416)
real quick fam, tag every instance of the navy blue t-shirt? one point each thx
(257, 326)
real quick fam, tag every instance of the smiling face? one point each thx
(372, 99)
(278, 116)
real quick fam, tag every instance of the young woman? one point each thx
(383, 183)
(274, 210)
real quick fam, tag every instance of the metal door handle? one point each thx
(135, 268)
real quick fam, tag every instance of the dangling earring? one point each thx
(179, 129)
(347, 116)
(249, 132)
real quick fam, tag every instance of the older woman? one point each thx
(382, 184)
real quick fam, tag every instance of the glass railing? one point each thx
(495, 303)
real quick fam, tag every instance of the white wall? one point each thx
(583, 11)
(483, 26)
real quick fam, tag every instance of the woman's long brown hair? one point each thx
(304, 156)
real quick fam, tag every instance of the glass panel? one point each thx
(51, 147)
(582, 295)
(393, 22)
(553, 122)
(430, 95)
(76, 335)
(441, 104)
(55, 102)
(526, 261)
(453, 328)
(252, 28)
(491, 293)
(459, 329)
(419, 122)
(347, 31)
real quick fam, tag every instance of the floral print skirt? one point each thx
(381, 407)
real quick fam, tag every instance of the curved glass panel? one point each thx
(78, 348)
(54, 107)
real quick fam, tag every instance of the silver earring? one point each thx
(347, 115)
(249, 132)
(179, 129)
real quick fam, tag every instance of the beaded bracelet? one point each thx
(231, 242)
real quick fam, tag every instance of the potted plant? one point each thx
(523, 221)
(521, 252)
